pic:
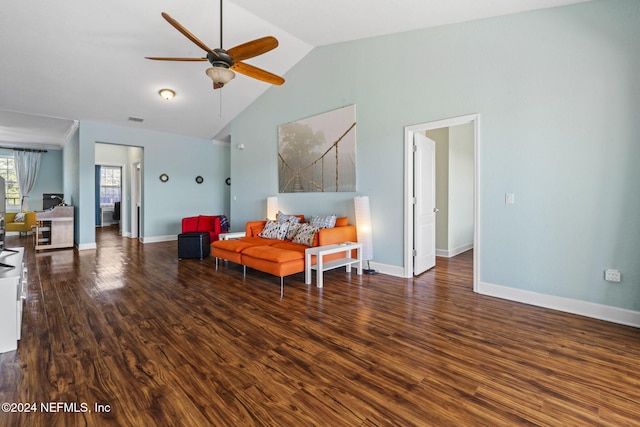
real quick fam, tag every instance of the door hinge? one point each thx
(414, 253)
(415, 148)
(414, 200)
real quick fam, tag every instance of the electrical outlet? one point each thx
(509, 198)
(612, 275)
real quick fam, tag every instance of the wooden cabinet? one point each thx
(13, 278)
(54, 229)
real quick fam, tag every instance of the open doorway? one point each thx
(420, 171)
(108, 194)
(125, 158)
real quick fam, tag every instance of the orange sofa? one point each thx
(279, 257)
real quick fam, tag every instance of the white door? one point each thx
(424, 208)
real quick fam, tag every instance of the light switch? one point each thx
(509, 198)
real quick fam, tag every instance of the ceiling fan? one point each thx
(223, 61)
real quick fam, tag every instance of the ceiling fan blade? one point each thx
(187, 33)
(257, 73)
(253, 48)
(158, 58)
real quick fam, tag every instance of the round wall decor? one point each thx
(199, 179)
(164, 177)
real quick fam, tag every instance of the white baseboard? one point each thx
(157, 239)
(450, 253)
(391, 270)
(86, 246)
(582, 308)
(568, 305)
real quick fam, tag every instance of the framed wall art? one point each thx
(318, 154)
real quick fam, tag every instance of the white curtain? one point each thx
(27, 165)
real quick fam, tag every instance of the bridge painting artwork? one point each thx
(318, 154)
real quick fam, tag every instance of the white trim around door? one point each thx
(409, 132)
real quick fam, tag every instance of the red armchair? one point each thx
(202, 223)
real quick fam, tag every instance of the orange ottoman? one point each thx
(229, 249)
(272, 260)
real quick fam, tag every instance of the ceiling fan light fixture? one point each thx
(220, 75)
(167, 94)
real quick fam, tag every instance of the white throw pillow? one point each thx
(274, 230)
(327, 221)
(283, 217)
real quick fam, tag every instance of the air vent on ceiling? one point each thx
(136, 119)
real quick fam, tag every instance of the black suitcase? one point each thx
(193, 245)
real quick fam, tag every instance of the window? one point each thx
(110, 184)
(8, 172)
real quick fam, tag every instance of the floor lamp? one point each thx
(272, 207)
(363, 227)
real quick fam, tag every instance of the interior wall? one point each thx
(49, 178)
(461, 183)
(165, 204)
(71, 179)
(559, 97)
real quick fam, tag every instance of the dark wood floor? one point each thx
(167, 342)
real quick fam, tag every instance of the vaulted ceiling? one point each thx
(84, 59)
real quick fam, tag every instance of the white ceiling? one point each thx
(84, 59)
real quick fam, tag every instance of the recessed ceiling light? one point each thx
(167, 94)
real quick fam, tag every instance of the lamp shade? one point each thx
(220, 75)
(363, 225)
(272, 207)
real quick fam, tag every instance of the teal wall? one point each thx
(559, 97)
(49, 178)
(71, 178)
(164, 204)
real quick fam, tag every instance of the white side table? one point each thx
(229, 236)
(321, 266)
